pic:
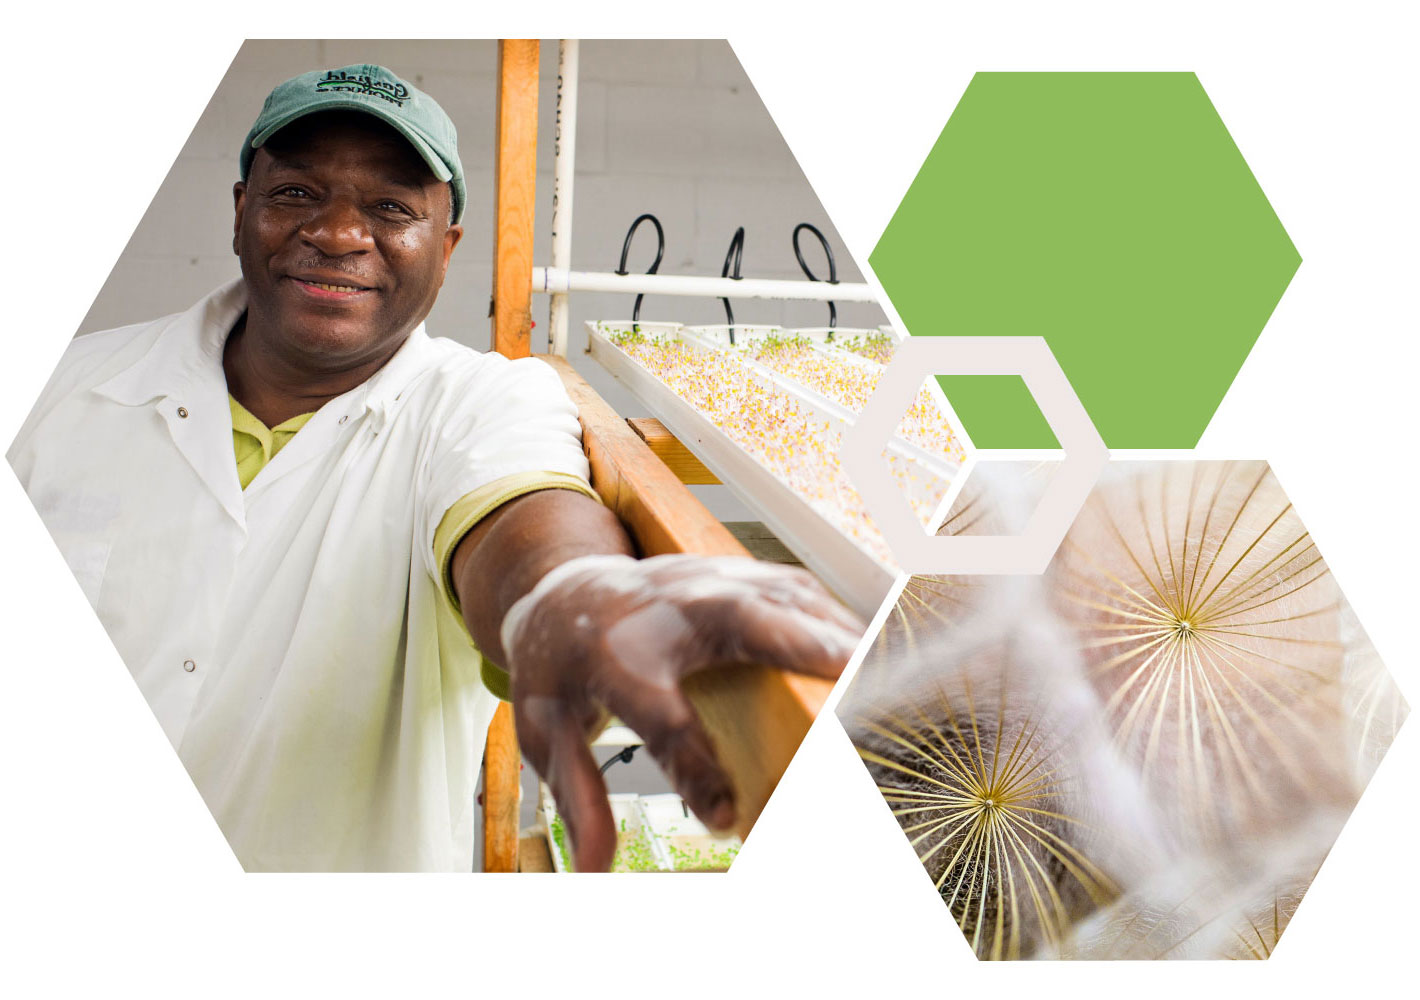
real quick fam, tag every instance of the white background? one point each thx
(116, 874)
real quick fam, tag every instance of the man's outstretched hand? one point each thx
(610, 634)
(586, 634)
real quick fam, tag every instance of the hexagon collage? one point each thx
(552, 458)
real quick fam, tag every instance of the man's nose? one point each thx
(338, 227)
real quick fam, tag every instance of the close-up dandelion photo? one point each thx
(984, 793)
(1144, 753)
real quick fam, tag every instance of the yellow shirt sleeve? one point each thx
(467, 512)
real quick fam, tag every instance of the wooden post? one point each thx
(502, 767)
(756, 716)
(514, 189)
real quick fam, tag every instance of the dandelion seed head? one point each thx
(1209, 626)
(1190, 680)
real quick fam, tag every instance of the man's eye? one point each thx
(393, 207)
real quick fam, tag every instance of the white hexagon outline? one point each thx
(1085, 455)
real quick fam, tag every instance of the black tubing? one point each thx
(736, 255)
(832, 265)
(626, 250)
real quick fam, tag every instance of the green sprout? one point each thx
(873, 346)
(776, 343)
(706, 858)
(633, 851)
(559, 837)
(625, 338)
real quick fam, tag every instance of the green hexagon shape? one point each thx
(1110, 213)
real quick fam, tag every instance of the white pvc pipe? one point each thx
(564, 152)
(557, 281)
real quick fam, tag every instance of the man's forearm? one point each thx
(617, 636)
(511, 549)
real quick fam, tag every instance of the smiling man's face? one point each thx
(344, 238)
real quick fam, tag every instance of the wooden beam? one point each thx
(514, 192)
(534, 855)
(762, 543)
(667, 447)
(756, 716)
(656, 508)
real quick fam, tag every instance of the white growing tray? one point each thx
(625, 809)
(858, 577)
(662, 819)
(668, 821)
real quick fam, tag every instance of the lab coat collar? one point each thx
(183, 372)
(186, 353)
(383, 390)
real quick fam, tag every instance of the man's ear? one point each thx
(239, 201)
(451, 239)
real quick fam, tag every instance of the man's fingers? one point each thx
(580, 793)
(748, 611)
(799, 589)
(679, 743)
(642, 628)
(751, 631)
(790, 586)
(556, 744)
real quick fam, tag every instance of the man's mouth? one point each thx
(330, 289)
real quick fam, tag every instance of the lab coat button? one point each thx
(189, 665)
(345, 418)
(182, 412)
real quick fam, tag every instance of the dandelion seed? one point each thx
(983, 796)
(1209, 624)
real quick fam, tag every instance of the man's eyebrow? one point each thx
(287, 162)
(407, 182)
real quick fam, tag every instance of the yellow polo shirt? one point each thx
(256, 445)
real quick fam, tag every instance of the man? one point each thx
(292, 510)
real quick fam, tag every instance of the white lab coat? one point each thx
(293, 639)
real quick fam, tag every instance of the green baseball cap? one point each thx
(373, 90)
